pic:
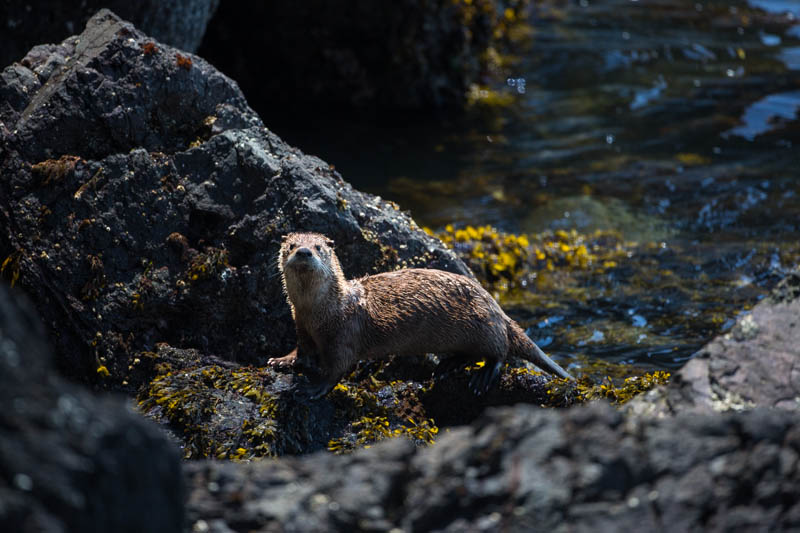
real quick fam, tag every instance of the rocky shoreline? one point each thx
(142, 205)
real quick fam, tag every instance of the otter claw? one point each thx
(281, 362)
(482, 381)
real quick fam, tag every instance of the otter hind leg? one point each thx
(314, 389)
(449, 365)
(483, 379)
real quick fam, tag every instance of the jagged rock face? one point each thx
(527, 469)
(142, 202)
(180, 23)
(70, 461)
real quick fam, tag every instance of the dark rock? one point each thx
(143, 202)
(71, 461)
(403, 54)
(757, 363)
(142, 206)
(527, 469)
(181, 24)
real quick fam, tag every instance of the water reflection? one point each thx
(790, 7)
(769, 113)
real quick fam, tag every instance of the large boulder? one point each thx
(527, 469)
(71, 461)
(142, 205)
(143, 202)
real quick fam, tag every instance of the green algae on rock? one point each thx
(231, 413)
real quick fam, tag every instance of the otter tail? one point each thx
(520, 345)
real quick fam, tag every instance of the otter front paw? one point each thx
(285, 361)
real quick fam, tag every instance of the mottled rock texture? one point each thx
(756, 364)
(527, 469)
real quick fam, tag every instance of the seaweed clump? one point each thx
(617, 391)
(220, 413)
(506, 261)
(211, 262)
(248, 412)
(379, 410)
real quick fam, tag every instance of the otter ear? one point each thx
(329, 242)
(285, 238)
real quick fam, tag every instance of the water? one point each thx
(673, 122)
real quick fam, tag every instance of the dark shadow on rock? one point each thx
(179, 23)
(71, 461)
(407, 54)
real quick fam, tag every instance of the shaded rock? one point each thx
(405, 54)
(757, 363)
(70, 461)
(527, 469)
(181, 24)
(143, 202)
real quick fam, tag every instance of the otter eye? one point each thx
(318, 247)
(292, 246)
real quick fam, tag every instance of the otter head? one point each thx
(309, 266)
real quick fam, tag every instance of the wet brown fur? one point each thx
(406, 312)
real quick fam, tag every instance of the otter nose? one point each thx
(303, 252)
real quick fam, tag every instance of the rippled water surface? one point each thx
(673, 122)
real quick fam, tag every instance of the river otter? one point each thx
(406, 312)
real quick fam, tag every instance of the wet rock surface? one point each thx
(179, 23)
(525, 469)
(69, 460)
(756, 364)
